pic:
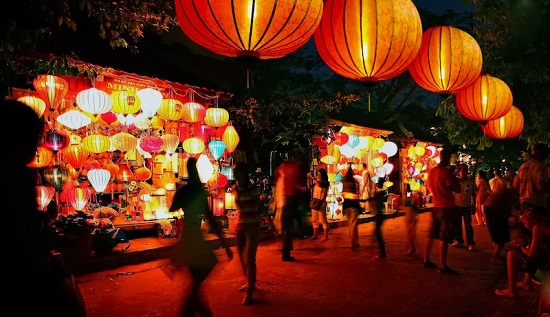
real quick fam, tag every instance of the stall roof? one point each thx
(360, 130)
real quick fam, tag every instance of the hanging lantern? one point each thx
(487, 98)
(52, 89)
(449, 60)
(125, 102)
(44, 195)
(377, 161)
(124, 142)
(76, 155)
(74, 119)
(151, 100)
(377, 144)
(370, 40)
(353, 141)
(56, 176)
(171, 142)
(99, 178)
(388, 167)
(78, 197)
(193, 112)
(216, 117)
(369, 139)
(506, 127)
(231, 138)
(341, 138)
(216, 148)
(389, 147)
(171, 109)
(96, 143)
(217, 181)
(94, 101)
(142, 122)
(111, 167)
(328, 159)
(109, 117)
(230, 200)
(249, 29)
(151, 143)
(205, 168)
(142, 174)
(43, 158)
(36, 104)
(124, 174)
(193, 146)
(56, 140)
(203, 132)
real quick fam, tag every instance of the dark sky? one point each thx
(439, 6)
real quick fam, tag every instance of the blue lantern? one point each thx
(216, 148)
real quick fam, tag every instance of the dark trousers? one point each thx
(464, 213)
(379, 220)
(288, 215)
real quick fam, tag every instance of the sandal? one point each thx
(524, 286)
(506, 293)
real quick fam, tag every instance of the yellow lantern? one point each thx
(419, 150)
(96, 143)
(506, 127)
(230, 200)
(171, 142)
(157, 122)
(231, 138)
(170, 109)
(36, 104)
(125, 102)
(377, 144)
(193, 145)
(52, 89)
(124, 142)
(216, 117)
(377, 162)
(328, 159)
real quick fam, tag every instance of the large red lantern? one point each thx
(369, 40)
(78, 197)
(449, 60)
(249, 28)
(76, 155)
(488, 98)
(506, 127)
(56, 140)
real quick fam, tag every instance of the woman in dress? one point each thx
(483, 191)
(191, 251)
(320, 191)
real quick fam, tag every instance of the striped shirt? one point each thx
(248, 205)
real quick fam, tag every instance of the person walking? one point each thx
(366, 189)
(191, 251)
(464, 203)
(378, 199)
(483, 190)
(497, 208)
(442, 184)
(351, 206)
(320, 190)
(249, 209)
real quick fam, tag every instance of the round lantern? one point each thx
(170, 109)
(124, 142)
(96, 143)
(193, 112)
(78, 197)
(170, 142)
(506, 127)
(193, 146)
(353, 140)
(449, 60)
(75, 155)
(369, 40)
(124, 174)
(56, 176)
(36, 104)
(217, 181)
(94, 101)
(142, 174)
(203, 132)
(487, 98)
(109, 117)
(377, 144)
(216, 148)
(216, 117)
(390, 148)
(74, 119)
(341, 138)
(231, 138)
(125, 102)
(52, 89)
(142, 122)
(151, 100)
(99, 178)
(111, 167)
(43, 158)
(56, 140)
(44, 195)
(151, 143)
(249, 29)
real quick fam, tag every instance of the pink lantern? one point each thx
(44, 195)
(151, 143)
(109, 117)
(78, 197)
(56, 140)
(203, 132)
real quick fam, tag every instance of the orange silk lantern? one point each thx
(506, 127)
(52, 89)
(76, 155)
(449, 60)
(249, 29)
(488, 98)
(369, 40)
(142, 173)
(231, 138)
(193, 112)
(124, 142)
(43, 158)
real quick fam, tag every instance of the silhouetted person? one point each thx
(33, 274)
(351, 206)
(191, 250)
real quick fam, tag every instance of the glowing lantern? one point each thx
(193, 145)
(109, 117)
(449, 60)
(419, 150)
(170, 143)
(353, 140)
(328, 159)
(230, 200)
(205, 168)
(43, 158)
(56, 176)
(377, 162)
(125, 102)
(56, 140)
(124, 174)
(193, 112)
(370, 40)
(230, 138)
(390, 148)
(94, 101)
(506, 127)
(377, 144)
(78, 197)
(217, 180)
(151, 143)
(142, 122)
(96, 143)
(249, 29)
(44, 195)
(388, 167)
(487, 98)
(124, 142)
(36, 104)
(347, 151)
(74, 119)
(340, 138)
(99, 178)
(76, 155)
(216, 117)
(170, 109)
(52, 89)
(151, 100)
(216, 147)
(142, 174)
(369, 140)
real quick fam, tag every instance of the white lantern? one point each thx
(74, 119)
(94, 101)
(205, 168)
(150, 101)
(99, 178)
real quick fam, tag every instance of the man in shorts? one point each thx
(442, 183)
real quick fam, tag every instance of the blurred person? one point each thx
(249, 210)
(497, 208)
(320, 191)
(35, 270)
(378, 199)
(350, 206)
(366, 188)
(528, 258)
(411, 219)
(464, 202)
(442, 183)
(483, 190)
(191, 251)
